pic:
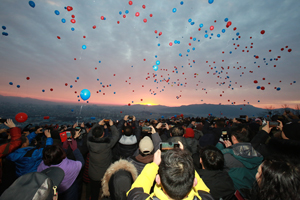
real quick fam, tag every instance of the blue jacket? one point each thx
(28, 164)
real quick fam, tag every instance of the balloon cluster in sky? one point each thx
(207, 31)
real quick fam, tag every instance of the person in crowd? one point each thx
(177, 135)
(241, 159)
(14, 136)
(287, 144)
(216, 129)
(100, 152)
(147, 147)
(27, 158)
(163, 130)
(175, 178)
(128, 143)
(277, 179)
(54, 156)
(117, 180)
(213, 175)
(191, 142)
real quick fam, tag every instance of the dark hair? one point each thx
(212, 158)
(279, 179)
(241, 132)
(53, 154)
(128, 130)
(220, 123)
(177, 131)
(23, 139)
(177, 173)
(98, 131)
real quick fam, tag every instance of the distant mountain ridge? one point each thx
(159, 110)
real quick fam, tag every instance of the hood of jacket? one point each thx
(114, 168)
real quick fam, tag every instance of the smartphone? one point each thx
(165, 146)
(242, 116)
(2, 120)
(77, 128)
(146, 128)
(273, 124)
(69, 136)
(225, 135)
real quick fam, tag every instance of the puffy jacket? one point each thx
(27, 159)
(100, 153)
(14, 143)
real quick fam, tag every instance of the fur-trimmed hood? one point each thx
(113, 168)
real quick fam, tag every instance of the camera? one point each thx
(2, 120)
(273, 124)
(146, 128)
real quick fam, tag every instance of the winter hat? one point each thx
(35, 185)
(189, 133)
(146, 145)
(292, 131)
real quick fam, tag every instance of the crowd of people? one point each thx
(206, 158)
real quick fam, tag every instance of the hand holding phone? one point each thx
(165, 146)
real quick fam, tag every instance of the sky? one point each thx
(246, 52)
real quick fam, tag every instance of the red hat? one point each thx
(189, 133)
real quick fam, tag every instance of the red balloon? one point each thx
(58, 37)
(170, 43)
(69, 8)
(211, 28)
(124, 16)
(66, 84)
(145, 20)
(94, 26)
(118, 22)
(160, 33)
(84, 36)
(73, 16)
(130, 2)
(73, 21)
(255, 81)
(129, 104)
(21, 117)
(262, 32)
(144, 6)
(229, 23)
(262, 88)
(289, 50)
(46, 117)
(51, 89)
(150, 15)
(137, 14)
(102, 17)
(28, 78)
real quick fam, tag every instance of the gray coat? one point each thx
(100, 153)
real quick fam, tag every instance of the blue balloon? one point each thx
(92, 118)
(178, 42)
(155, 67)
(226, 19)
(192, 23)
(18, 86)
(157, 62)
(10, 83)
(193, 48)
(200, 25)
(175, 116)
(43, 90)
(210, 1)
(278, 88)
(63, 20)
(3, 27)
(120, 13)
(56, 12)
(71, 86)
(158, 44)
(294, 81)
(32, 4)
(218, 35)
(237, 34)
(205, 35)
(72, 29)
(223, 30)
(181, 3)
(72, 110)
(77, 78)
(190, 20)
(99, 61)
(188, 50)
(83, 47)
(194, 39)
(162, 117)
(258, 87)
(85, 94)
(126, 11)
(174, 10)
(155, 56)
(180, 54)
(4, 33)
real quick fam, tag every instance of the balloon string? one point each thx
(79, 113)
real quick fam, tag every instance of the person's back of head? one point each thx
(177, 173)
(177, 131)
(277, 179)
(98, 131)
(212, 158)
(220, 123)
(241, 133)
(128, 131)
(53, 154)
